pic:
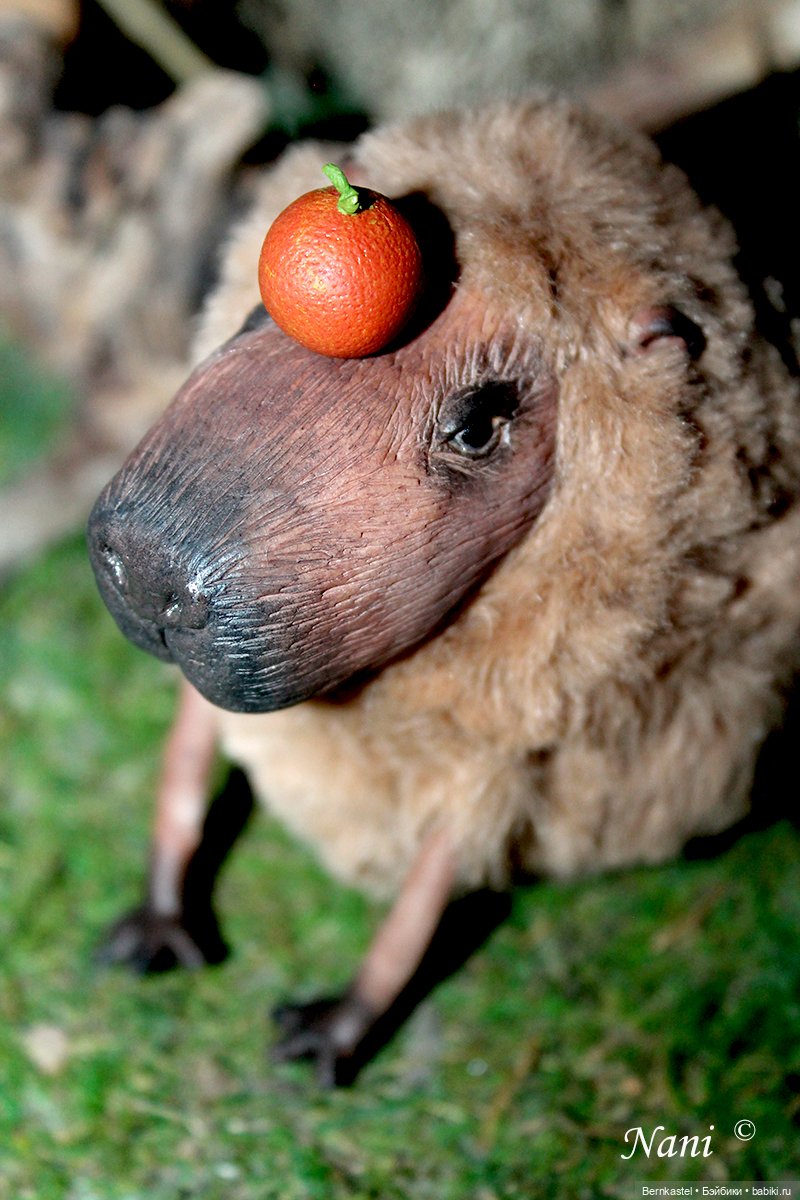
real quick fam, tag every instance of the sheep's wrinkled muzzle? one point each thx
(284, 527)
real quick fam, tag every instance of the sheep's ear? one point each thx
(650, 326)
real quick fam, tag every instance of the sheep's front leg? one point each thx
(176, 926)
(340, 1034)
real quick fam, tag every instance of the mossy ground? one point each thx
(666, 996)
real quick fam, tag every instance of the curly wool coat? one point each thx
(602, 696)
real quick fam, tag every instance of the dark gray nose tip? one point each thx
(135, 576)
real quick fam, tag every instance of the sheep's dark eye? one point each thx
(479, 437)
(473, 423)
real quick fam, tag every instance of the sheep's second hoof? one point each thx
(149, 942)
(333, 1033)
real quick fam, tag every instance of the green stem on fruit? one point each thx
(349, 200)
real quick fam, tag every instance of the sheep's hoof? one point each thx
(333, 1033)
(149, 942)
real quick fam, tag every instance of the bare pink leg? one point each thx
(336, 1033)
(166, 930)
(401, 941)
(182, 799)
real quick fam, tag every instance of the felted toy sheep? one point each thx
(518, 594)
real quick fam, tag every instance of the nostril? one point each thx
(115, 566)
(171, 613)
(186, 609)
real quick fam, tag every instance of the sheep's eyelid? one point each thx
(499, 396)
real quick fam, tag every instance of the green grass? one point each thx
(667, 996)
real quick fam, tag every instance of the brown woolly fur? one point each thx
(603, 696)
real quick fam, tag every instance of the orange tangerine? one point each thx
(340, 269)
